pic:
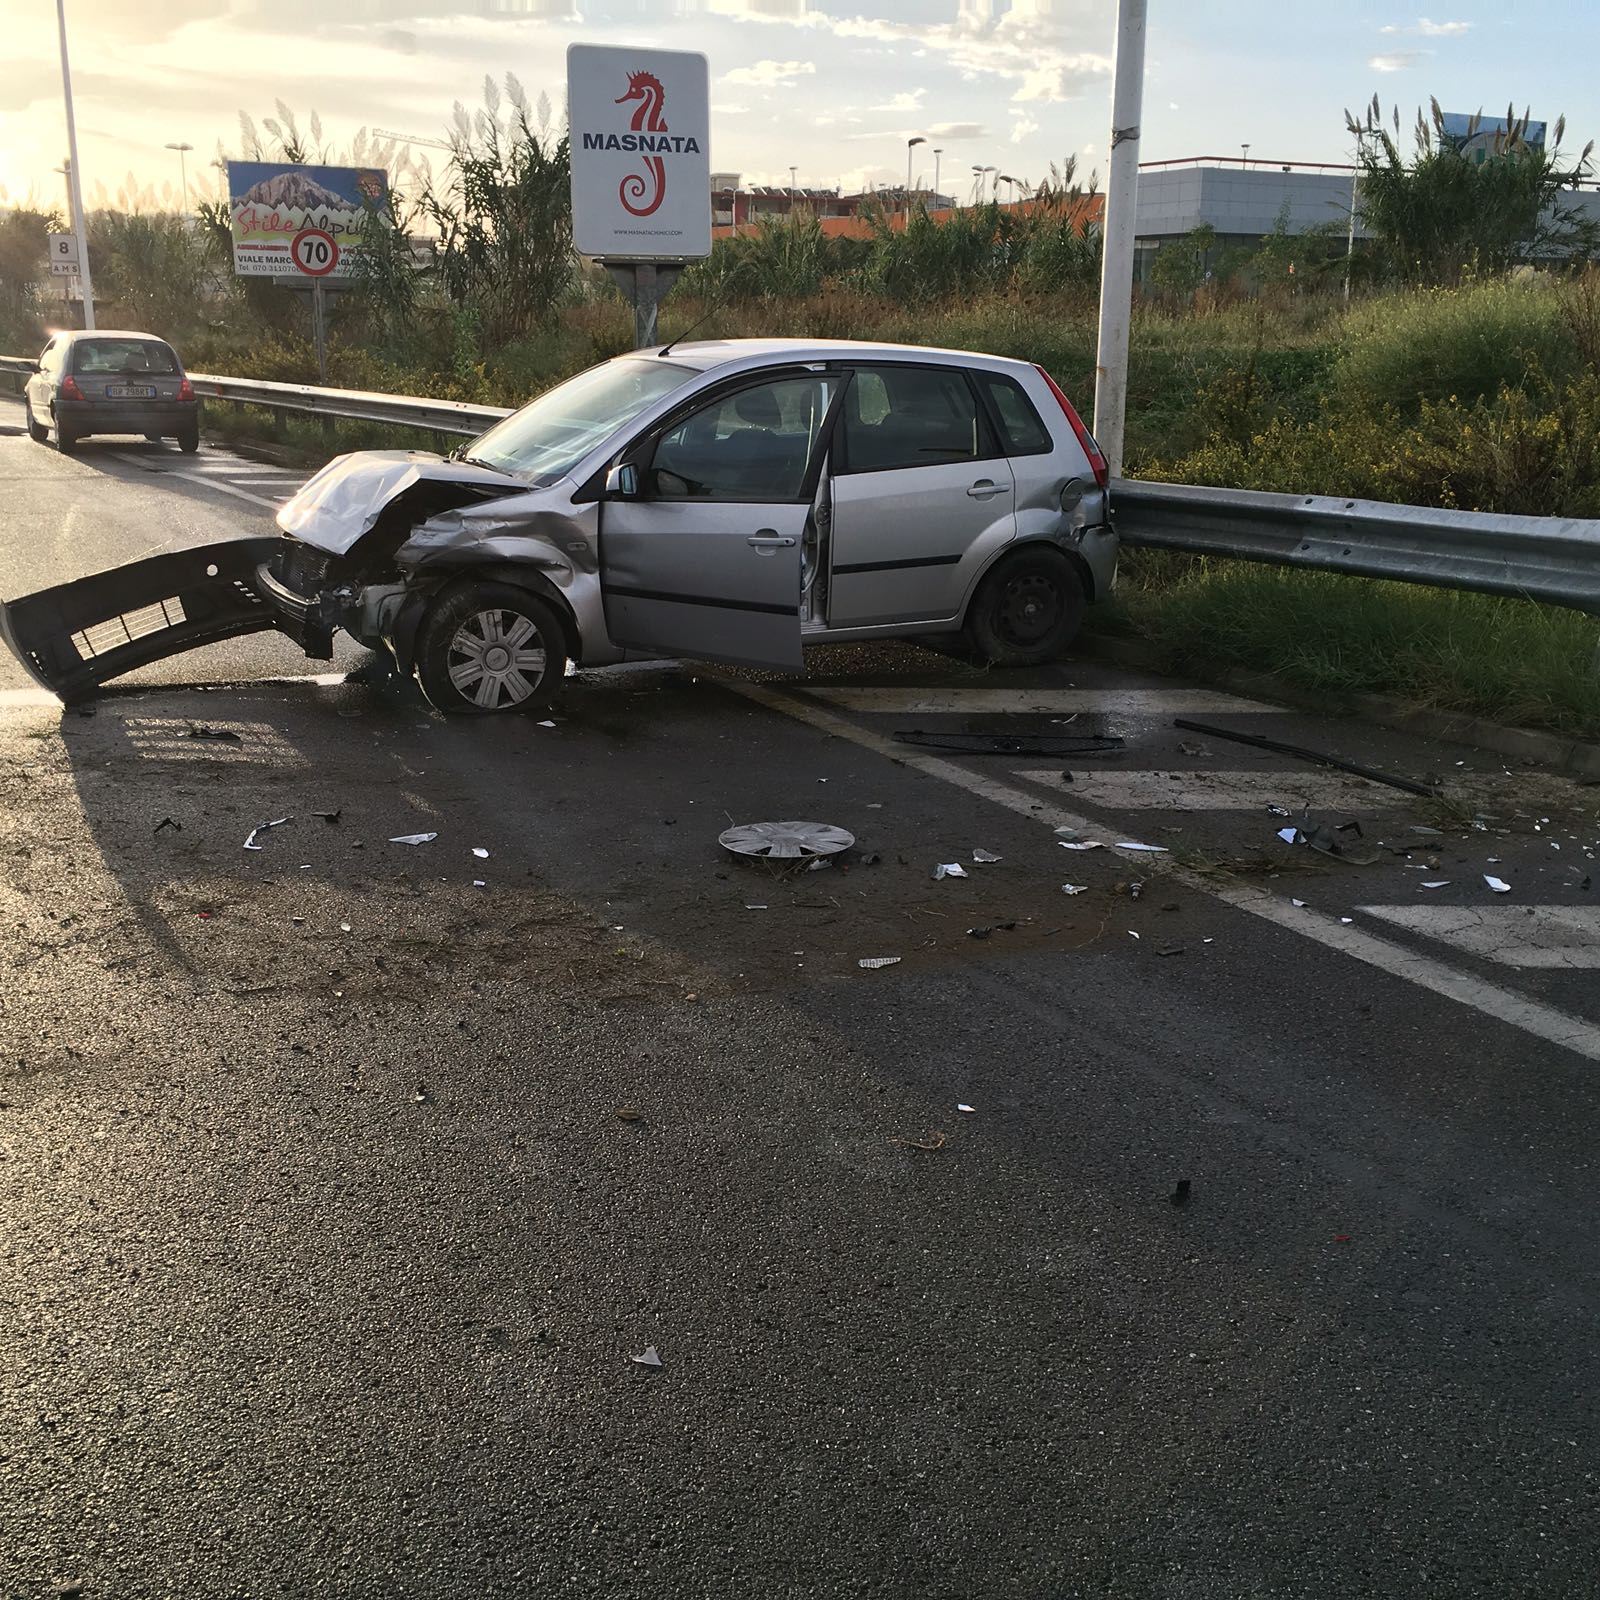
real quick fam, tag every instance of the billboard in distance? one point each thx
(640, 124)
(272, 201)
(1477, 143)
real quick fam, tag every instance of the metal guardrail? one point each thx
(1553, 559)
(1542, 558)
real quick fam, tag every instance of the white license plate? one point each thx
(129, 391)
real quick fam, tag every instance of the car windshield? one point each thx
(550, 435)
(123, 356)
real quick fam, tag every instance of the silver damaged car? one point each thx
(731, 501)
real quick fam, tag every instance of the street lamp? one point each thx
(1011, 187)
(911, 144)
(1244, 154)
(183, 171)
(74, 180)
(937, 152)
(792, 171)
(978, 175)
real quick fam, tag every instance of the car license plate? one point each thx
(129, 391)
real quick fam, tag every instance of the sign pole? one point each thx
(1116, 260)
(644, 284)
(74, 187)
(319, 329)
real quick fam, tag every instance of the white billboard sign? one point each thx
(63, 255)
(640, 124)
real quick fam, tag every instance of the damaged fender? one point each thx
(76, 636)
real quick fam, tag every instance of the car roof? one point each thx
(710, 354)
(72, 335)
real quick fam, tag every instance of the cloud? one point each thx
(771, 74)
(903, 102)
(958, 130)
(1399, 61)
(1424, 28)
(1023, 128)
(1054, 80)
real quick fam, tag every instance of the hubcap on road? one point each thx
(492, 661)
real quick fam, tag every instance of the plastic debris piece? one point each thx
(785, 841)
(420, 1095)
(330, 817)
(168, 822)
(1011, 744)
(818, 864)
(480, 852)
(986, 858)
(962, 1107)
(220, 735)
(1193, 750)
(1347, 920)
(344, 927)
(414, 838)
(1150, 849)
(1074, 888)
(872, 963)
(1080, 844)
(1278, 811)
(1499, 885)
(979, 933)
(263, 827)
(629, 1114)
(1291, 835)
(1299, 905)
(1064, 832)
(547, 723)
(1428, 833)
(1170, 950)
(1438, 883)
(758, 907)
(478, 883)
(1132, 934)
(1426, 790)
(1180, 1195)
(949, 869)
(650, 1358)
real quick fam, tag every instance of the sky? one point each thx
(833, 88)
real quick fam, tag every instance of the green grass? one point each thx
(1512, 661)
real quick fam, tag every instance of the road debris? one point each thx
(1299, 905)
(1291, 835)
(785, 841)
(168, 822)
(949, 869)
(1277, 810)
(413, 838)
(629, 1114)
(1074, 888)
(200, 730)
(1499, 885)
(651, 1357)
(264, 827)
(1014, 744)
(979, 933)
(934, 1141)
(480, 852)
(1180, 1195)
(1426, 790)
(1080, 844)
(961, 1106)
(1170, 950)
(1437, 883)
(1151, 849)
(986, 858)
(420, 1096)
(872, 963)
(330, 817)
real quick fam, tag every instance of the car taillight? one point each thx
(1102, 473)
(70, 389)
(186, 390)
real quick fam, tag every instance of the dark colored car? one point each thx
(107, 381)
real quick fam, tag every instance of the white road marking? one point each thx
(34, 699)
(205, 482)
(1505, 1005)
(1161, 789)
(1056, 702)
(1514, 936)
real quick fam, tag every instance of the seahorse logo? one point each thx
(642, 192)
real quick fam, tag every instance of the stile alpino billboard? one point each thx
(273, 201)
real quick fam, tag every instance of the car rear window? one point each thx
(122, 355)
(1021, 431)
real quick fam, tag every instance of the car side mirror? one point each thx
(622, 482)
(34, 366)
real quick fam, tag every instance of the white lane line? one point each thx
(196, 478)
(35, 699)
(1505, 1005)
(1163, 789)
(1552, 937)
(1058, 702)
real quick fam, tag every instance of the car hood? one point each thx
(336, 508)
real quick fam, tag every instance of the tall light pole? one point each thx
(1244, 154)
(183, 171)
(937, 152)
(911, 144)
(792, 172)
(1355, 190)
(74, 182)
(1116, 259)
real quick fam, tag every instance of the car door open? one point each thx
(700, 540)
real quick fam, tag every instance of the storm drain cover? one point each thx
(785, 841)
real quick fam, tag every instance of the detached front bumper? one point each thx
(77, 636)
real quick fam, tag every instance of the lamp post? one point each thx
(74, 182)
(792, 171)
(1355, 190)
(937, 152)
(911, 144)
(1244, 154)
(183, 171)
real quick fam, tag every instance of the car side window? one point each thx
(897, 417)
(1021, 431)
(752, 445)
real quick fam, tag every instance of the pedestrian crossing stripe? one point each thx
(915, 702)
(1546, 937)
(1167, 789)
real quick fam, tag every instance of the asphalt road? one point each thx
(342, 1179)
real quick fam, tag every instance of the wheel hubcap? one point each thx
(1031, 609)
(496, 659)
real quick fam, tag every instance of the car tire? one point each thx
(35, 432)
(189, 440)
(1027, 611)
(66, 440)
(472, 644)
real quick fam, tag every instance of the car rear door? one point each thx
(702, 557)
(922, 495)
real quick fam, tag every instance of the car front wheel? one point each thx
(1027, 611)
(487, 647)
(35, 432)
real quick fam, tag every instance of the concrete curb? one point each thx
(1573, 757)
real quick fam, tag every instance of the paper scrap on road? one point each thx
(1074, 888)
(872, 963)
(1152, 849)
(480, 852)
(264, 827)
(414, 838)
(1438, 883)
(1298, 904)
(650, 1358)
(1499, 885)
(962, 1107)
(985, 857)
(949, 869)
(1085, 844)
(1290, 835)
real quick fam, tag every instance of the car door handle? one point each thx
(768, 540)
(986, 489)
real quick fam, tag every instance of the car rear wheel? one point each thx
(35, 432)
(189, 440)
(66, 439)
(488, 647)
(1027, 611)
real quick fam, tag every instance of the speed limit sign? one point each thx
(314, 252)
